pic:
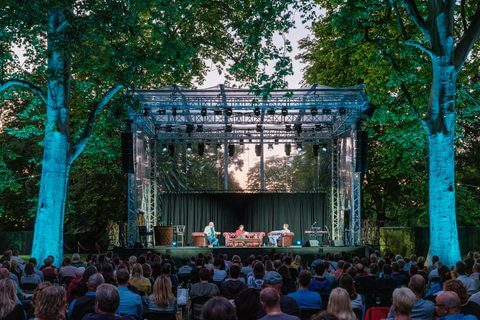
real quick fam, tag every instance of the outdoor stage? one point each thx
(179, 253)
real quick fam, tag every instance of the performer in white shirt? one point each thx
(211, 235)
(276, 235)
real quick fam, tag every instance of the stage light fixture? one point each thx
(270, 147)
(228, 112)
(203, 112)
(315, 149)
(326, 111)
(231, 150)
(189, 147)
(259, 128)
(342, 111)
(256, 111)
(288, 127)
(299, 147)
(164, 148)
(298, 128)
(314, 111)
(219, 146)
(217, 112)
(174, 112)
(324, 147)
(318, 127)
(189, 128)
(228, 128)
(288, 148)
(258, 150)
(168, 128)
(162, 112)
(146, 112)
(271, 112)
(276, 140)
(200, 128)
(299, 243)
(171, 150)
(284, 111)
(174, 244)
(241, 142)
(201, 149)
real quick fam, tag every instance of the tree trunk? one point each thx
(443, 225)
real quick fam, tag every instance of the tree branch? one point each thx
(465, 45)
(23, 84)
(399, 20)
(463, 15)
(421, 47)
(87, 131)
(416, 17)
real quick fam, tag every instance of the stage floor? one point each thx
(179, 253)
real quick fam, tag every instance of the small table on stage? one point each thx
(246, 241)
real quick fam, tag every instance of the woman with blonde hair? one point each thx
(50, 303)
(162, 298)
(340, 305)
(139, 281)
(10, 307)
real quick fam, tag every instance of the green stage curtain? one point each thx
(258, 212)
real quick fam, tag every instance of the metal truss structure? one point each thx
(223, 116)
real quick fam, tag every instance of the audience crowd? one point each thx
(278, 287)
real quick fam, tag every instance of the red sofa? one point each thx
(252, 239)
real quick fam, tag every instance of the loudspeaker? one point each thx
(361, 152)
(311, 243)
(127, 152)
(338, 243)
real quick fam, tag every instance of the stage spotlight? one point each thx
(203, 112)
(276, 140)
(200, 128)
(271, 112)
(318, 127)
(298, 128)
(259, 128)
(326, 111)
(189, 128)
(258, 150)
(288, 127)
(146, 112)
(270, 147)
(201, 149)
(231, 150)
(168, 128)
(288, 148)
(189, 147)
(324, 147)
(342, 111)
(174, 112)
(174, 244)
(299, 147)
(219, 146)
(228, 128)
(299, 243)
(164, 148)
(171, 150)
(284, 111)
(315, 149)
(256, 111)
(162, 112)
(241, 142)
(313, 111)
(228, 112)
(217, 112)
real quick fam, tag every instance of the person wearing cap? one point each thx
(288, 304)
(76, 262)
(270, 299)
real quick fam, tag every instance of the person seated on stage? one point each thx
(276, 235)
(240, 232)
(211, 235)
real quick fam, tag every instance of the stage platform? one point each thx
(179, 253)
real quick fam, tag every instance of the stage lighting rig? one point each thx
(299, 147)
(288, 148)
(314, 111)
(228, 112)
(315, 149)
(168, 128)
(256, 111)
(271, 112)
(189, 147)
(284, 111)
(228, 128)
(342, 111)
(259, 128)
(258, 150)
(189, 128)
(231, 150)
(171, 150)
(203, 112)
(298, 128)
(201, 149)
(200, 128)
(288, 127)
(174, 112)
(270, 147)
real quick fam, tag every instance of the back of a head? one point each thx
(29, 268)
(107, 298)
(8, 297)
(339, 304)
(458, 287)
(269, 297)
(450, 300)
(247, 304)
(94, 281)
(122, 277)
(162, 291)
(218, 308)
(50, 303)
(460, 267)
(204, 274)
(403, 301)
(417, 284)
(325, 315)
(234, 271)
(319, 269)
(304, 278)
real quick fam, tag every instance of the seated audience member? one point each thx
(9, 274)
(403, 301)
(466, 307)
(288, 284)
(38, 272)
(436, 283)
(399, 277)
(76, 262)
(130, 302)
(184, 271)
(320, 283)
(232, 286)
(86, 304)
(10, 306)
(460, 271)
(219, 274)
(67, 270)
(255, 280)
(106, 303)
(288, 304)
(218, 308)
(162, 298)
(50, 273)
(447, 306)
(143, 285)
(78, 287)
(30, 276)
(306, 299)
(383, 287)
(340, 305)
(247, 304)
(346, 282)
(270, 300)
(366, 284)
(204, 288)
(50, 303)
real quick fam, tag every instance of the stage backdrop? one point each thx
(257, 211)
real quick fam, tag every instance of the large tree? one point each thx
(79, 55)
(373, 36)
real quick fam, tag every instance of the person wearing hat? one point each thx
(288, 304)
(76, 262)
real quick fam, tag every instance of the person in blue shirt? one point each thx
(211, 235)
(130, 302)
(306, 299)
(447, 307)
